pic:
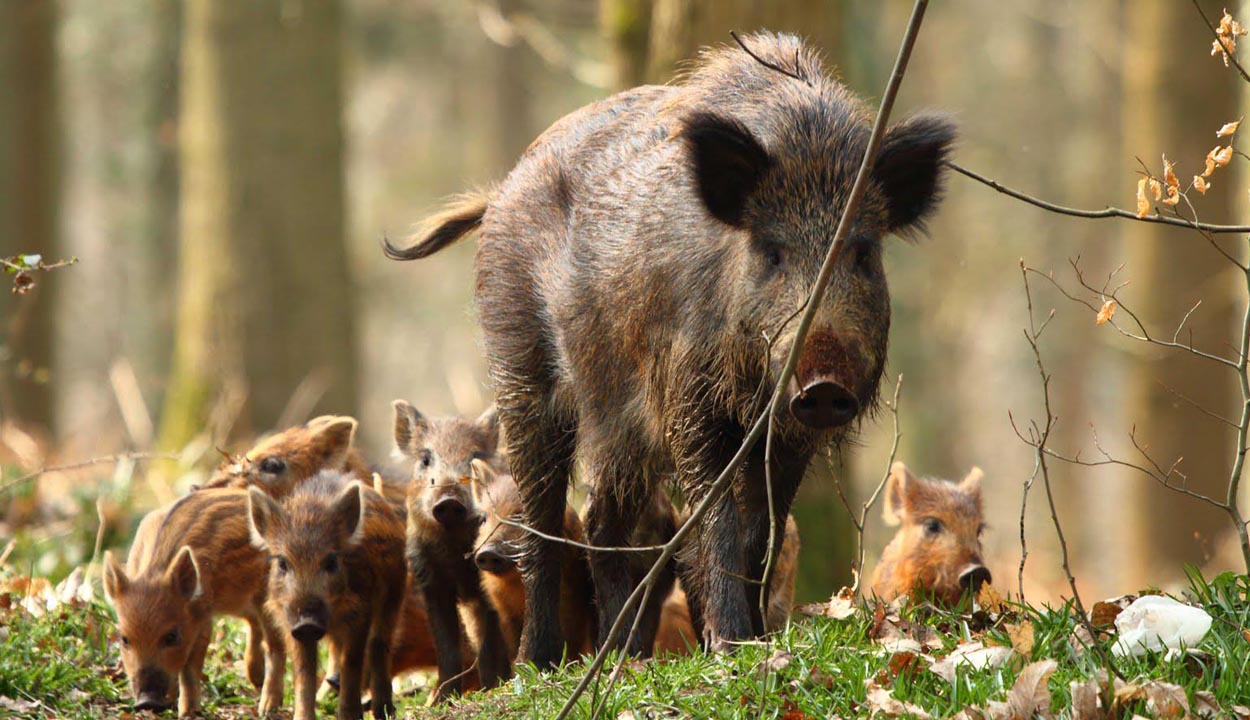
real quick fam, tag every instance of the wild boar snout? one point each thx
(973, 577)
(450, 511)
(822, 390)
(490, 560)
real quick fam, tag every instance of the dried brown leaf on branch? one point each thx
(1201, 184)
(1226, 42)
(1143, 200)
(1228, 128)
(1218, 157)
(1106, 312)
(1174, 197)
(1169, 174)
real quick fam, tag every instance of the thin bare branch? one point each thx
(1215, 34)
(103, 460)
(1109, 212)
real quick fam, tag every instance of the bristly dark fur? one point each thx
(628, 271)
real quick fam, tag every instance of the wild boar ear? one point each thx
(334, 438)
(481, 475)
(261, 510)
(408, 423)
(971, 484)
(910, 168)
(349, 510)
(115, 581)
(728, 164)
(184, 574)
(488, 422)
(895, 510)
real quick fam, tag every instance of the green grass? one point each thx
(65, 662)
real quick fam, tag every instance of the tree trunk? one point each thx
(29, 196)
(265, 297)
(626, 26)
(1176, 107)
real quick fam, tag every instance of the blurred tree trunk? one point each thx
(678, 29)
(265, 298)
(29, 200)
(1176, 107)
(626, 26)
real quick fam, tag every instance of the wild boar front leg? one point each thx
(351, 671)
(189, 678)
(275, 666)
(304, 677)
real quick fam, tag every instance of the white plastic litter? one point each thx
(1154, 622)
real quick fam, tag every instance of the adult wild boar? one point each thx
(637, 274)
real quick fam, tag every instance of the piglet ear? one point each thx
(896, 490)
(115, 581)
(971, 484)
(488, 423)
(349, 511)
(728, 164)
(333, 437)
(910, 168)
(184, 574)
(408, 424)
(261, 511)
(481, 475)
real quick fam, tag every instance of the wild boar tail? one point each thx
(460, 217)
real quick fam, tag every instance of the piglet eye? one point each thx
(427, 458)
(933, 526)
(331, 563)
(170, 639)
(125, 641)
(272, 465)
(281, 562)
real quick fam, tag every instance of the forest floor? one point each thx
(58, 658)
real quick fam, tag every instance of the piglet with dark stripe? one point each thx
(192, 561)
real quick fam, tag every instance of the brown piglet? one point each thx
(498, 545)
(336, 569)
(443, 523)
(937, 549)
(191, 561)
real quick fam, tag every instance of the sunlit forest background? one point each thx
(224, 171)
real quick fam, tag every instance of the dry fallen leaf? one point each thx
(883, 701)
(1030, 695)
(975, 655)
(1021, 635)
(1228, 128)
(839, 607)
(990, 600)
(1086, 703)
(1201, 184)
(1105, 313)
(1205, 705)
(779, 661)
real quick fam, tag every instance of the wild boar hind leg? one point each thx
(541, 457)
(713, 559)
(619, 497)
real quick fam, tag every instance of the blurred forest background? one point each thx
(224, 170)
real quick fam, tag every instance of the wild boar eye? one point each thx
(774, 257)
(171, 638)
(427, 458)
(933, 526)
(280, 561)
(331, 563)
(272, 465)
